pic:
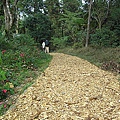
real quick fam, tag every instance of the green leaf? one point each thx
(2, 75)
(0, 59)
(7, 86)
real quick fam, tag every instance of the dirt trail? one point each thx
(70, 89)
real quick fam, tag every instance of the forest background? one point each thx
(89, 29)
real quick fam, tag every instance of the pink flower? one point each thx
(4, 91)
(5, 106)
(3, 51)
(1, 103)
(22, 55)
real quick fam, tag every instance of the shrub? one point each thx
(104, 38)
(77, 45)
(58, 43)
(4, 43)
(17, 64)
(38, 26)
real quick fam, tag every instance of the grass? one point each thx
(26, 86)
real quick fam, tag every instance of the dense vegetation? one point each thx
(21, 61)
(90, 29)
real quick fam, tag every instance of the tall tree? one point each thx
(100, 11)
(38, 26)
(10, 8)
(72, 24)
(88, 24)
(32, 6)
(52, 9)
(1, 14)
(71, 5)
(113, 21)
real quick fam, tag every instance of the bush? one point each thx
(58, 43)
(6, 87)
(77, 45)
(38, 26)
(4, 43)
(19, 63)
(104, 38)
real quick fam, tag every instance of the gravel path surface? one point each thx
(70, 89)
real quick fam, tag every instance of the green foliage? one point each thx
(3, 107)
(28, 5)
(5, 87)
(58, 43)
(22, 46)
(104, 38)
(2, 75)
(114, 21)
(77, 45)
(1, 16)
(4, 43)
(38, 26)
(0, 58)
(52, 10)
(71, 5)
(71, 23)
(99, 12)
(23, 43)
(22, 61)
(25, 87)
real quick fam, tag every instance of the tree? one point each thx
(113, 20)
(71, 23)
(1, 15)
(10, 8)
(71, 5)
(52, 9)
(38, 26)
(100, 11)
(31, 6)
(88, 24)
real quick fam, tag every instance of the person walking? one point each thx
(43, 46)
(46, 46)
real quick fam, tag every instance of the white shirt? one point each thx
(43, 45)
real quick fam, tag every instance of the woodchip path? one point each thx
(70, 89)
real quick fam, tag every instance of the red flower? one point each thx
(7, 80)
(4, 91)
(3, 51)
(5, 106)
(22, 55)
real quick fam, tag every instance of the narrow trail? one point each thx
(70, 89)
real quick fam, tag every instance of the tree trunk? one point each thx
(9, 16)
(100, 24)
(88, 24)
(17, 24)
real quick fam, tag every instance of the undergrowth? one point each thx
(21, 61)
